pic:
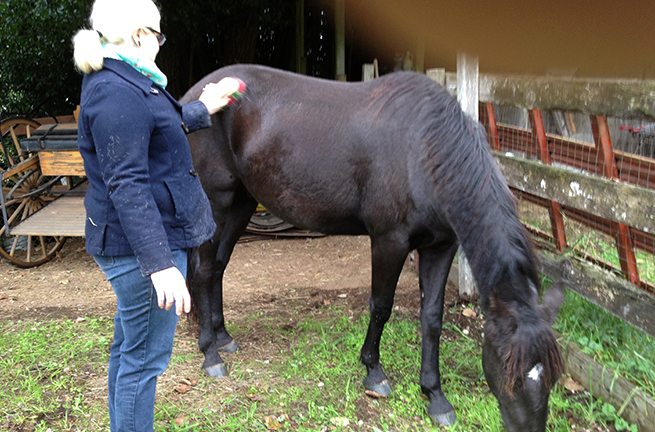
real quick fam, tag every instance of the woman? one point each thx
(145, 205)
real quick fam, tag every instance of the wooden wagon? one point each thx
(43, 185)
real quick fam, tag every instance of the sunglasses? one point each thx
(161, 37)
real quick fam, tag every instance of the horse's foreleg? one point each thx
(434, 265)
(387, 258)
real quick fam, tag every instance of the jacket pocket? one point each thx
(95, 236)
(186, 195)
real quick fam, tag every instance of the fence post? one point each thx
(554, 208)
(624, 243)
(468, 95)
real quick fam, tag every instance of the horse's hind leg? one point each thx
(213, 258)
(434, 265)
(388, 257)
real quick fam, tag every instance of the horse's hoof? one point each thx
(446, 419)
(216, 371)
(382, 389)
(229, 347)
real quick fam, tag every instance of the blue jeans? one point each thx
(143, 342)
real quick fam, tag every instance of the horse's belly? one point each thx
(313, 216)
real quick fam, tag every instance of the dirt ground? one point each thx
(261, 271)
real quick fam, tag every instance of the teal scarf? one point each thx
(133, 57)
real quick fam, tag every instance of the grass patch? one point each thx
(612, 342)
(296, 372)
(53, 372)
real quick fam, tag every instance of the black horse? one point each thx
(398, 160)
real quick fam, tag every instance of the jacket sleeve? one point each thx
(195, 116)
(121, 126)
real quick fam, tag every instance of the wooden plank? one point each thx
(605, 289)
(609, 97)
(59, 119)
(637, 407)
(68, 163)
(619, 202)
(65, 216)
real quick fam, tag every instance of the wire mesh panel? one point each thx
(619, 149)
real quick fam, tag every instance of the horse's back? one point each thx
(322, 154)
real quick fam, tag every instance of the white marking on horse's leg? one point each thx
(535, 372)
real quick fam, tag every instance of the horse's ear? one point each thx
(553, 299)
(498, 308)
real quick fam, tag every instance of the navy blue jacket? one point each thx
(144, 197)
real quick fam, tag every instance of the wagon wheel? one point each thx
(264, 222)
(24, 191)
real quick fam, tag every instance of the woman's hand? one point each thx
(170, 287)
(216, 96)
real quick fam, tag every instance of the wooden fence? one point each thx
(596, 181)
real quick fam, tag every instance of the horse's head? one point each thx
(521, 359)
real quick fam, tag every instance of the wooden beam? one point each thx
(492, 131)
(468, 76)
(419, 60)
(601, 132)
(554, 208)
(615, 201)
(605, 289)
(340, 39)
(609, 97)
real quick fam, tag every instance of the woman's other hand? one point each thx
(170, 287)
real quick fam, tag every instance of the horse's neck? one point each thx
(497, 249)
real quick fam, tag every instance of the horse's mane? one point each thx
(472, 193)
(468, 186)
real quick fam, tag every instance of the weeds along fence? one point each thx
(579, 154)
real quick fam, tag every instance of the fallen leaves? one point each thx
(180, 420)
(274, 422)
(469, 313)
(255, 397)
(185, 386)
(572, 385)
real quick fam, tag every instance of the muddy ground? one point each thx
(262, 271)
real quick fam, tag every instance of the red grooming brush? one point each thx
(234, 88)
